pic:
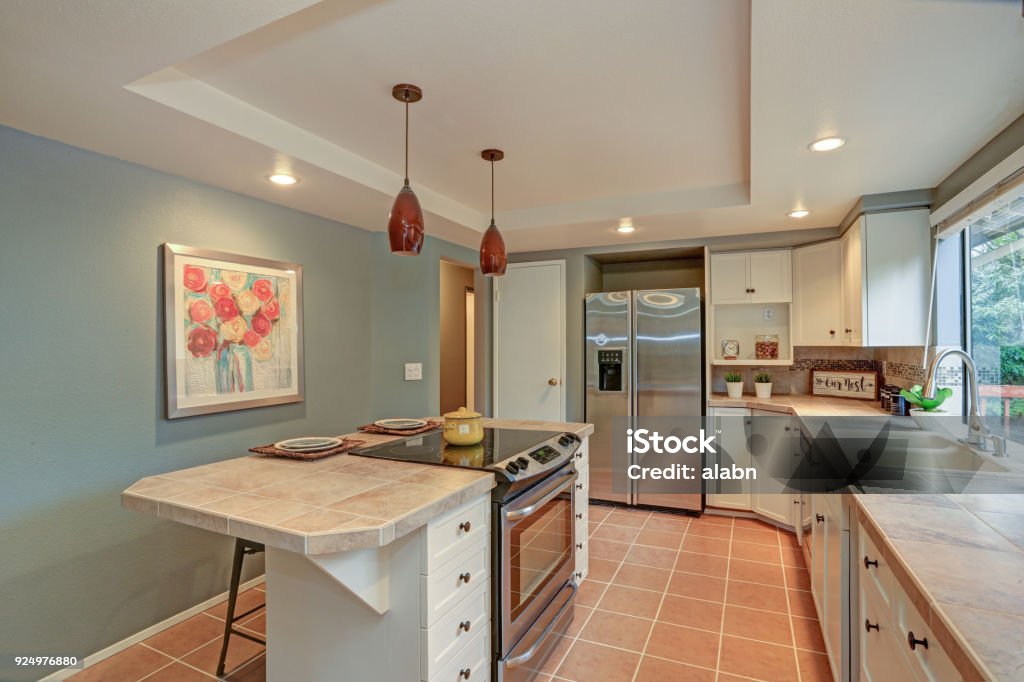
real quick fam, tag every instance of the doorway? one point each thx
(458, 340)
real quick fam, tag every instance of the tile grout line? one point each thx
(725, 597)
(789, 615)
(661, 602)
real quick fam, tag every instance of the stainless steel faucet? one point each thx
(977, 431)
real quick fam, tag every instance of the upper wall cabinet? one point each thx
(751, 277)
(886, 275)
(818, 294)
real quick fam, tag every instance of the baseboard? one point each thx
(118, 647)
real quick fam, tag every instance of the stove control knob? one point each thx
(512, 468)
(523, 463)
(565, 440)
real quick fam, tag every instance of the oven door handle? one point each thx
(517, 514)
(522, 658)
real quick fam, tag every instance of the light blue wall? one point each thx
(81, 379)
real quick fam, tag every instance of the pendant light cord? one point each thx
(492, 189)
(407, 140)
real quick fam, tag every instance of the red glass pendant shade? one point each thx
(405, 224)
(493, 257)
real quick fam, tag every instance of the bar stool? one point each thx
(242, 547)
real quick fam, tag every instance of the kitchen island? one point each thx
(375, 569)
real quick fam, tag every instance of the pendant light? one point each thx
(493, 257)
(405, 224)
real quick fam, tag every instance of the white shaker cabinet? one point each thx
(886, 277)
(734, 425)
(817, 294)
(752, 277)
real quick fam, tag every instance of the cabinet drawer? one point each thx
(880, 658)
(442, 642)
(451, 534)
(453, 582)
(877, 577)
(471, 664)
(929, 661)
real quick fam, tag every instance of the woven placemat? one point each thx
(346, 445)
(432, 424)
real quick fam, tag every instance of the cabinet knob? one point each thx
(832, 332)
(819, 518)
(465, 673)
(869, 626)
(465, 625)
(849, 331)
(579, 575)
(579, 455)
(465, 526)
(579, 486)
(868, 563)
(579, 515)
(914, 643)
(552, 381)
(464, 577)
(579, 545)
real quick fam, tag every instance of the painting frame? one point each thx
(850, 374)
(178, 404)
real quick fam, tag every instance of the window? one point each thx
(995, 312)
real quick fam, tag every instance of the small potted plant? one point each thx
(927, 414)
(734, 384)
(763, 384)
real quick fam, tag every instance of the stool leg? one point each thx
(236, 576)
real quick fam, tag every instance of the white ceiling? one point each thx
(690, 116)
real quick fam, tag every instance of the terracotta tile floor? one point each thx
(189, 651)
(674, 599)
(669, 599)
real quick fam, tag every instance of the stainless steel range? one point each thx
(534, 543)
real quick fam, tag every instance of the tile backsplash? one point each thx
(902, 366)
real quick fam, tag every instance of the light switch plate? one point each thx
(413, 371)
(769, 313)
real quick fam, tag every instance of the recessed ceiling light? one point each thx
(283, 179)
(625, 226)
(827, 144)
(801, 213)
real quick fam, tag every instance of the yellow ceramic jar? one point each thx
(463, 427)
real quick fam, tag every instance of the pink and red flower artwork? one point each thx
(238, 332)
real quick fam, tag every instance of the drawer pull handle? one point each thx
(868, 563)
(869, 626)
(819, 518)
(913, 642)
(464, 577)
(465, 625)
(579, 486)
(579, 545)
(465, 526)
(579, 455)
(465, 673)
(579, 575)
(579, 515)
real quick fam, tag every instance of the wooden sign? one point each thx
(845, 384)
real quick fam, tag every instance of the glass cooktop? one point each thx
(431, 448)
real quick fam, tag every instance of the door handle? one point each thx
(552, 381)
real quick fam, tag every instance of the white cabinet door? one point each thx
(729, 278)
(897, 250)
(773, 451)
(734, 424)
(853, 285)
(771, 276)
(818, 294)
(832, 625)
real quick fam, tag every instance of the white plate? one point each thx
(400, 424)
(308, 444)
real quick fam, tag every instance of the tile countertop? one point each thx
(335, 504)
(960, 558)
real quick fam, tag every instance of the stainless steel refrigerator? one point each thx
(644, 369)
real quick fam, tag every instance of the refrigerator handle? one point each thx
(633, 388)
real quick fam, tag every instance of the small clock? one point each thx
(730, 349)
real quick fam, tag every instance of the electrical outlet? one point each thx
(413, 371)
(769, 313)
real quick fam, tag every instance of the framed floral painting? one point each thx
(233, 331)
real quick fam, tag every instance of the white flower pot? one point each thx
(763, 390)
(735, 389)
(935, 421)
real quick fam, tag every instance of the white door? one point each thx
(529, 342)
(818, 294)
(853, 285)
(729, 278)
(771, 276)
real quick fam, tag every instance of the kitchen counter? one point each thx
(960, 558)
(338, 503)
(801, 405)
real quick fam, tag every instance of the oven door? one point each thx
(538, 553)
